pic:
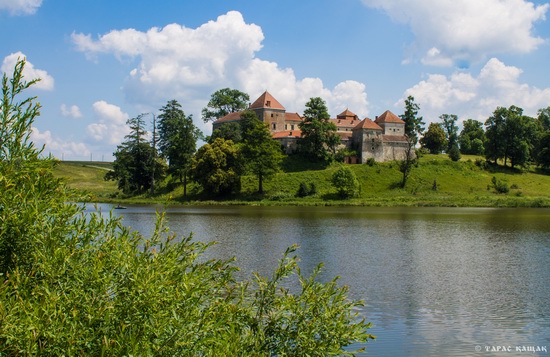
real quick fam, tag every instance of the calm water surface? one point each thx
(436, 281)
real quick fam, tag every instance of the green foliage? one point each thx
(223, 102)
(499, 186)
(80, 284)
(511, 136)
(543, 156)
(177, 139)
(261, 154)
(454, 153)
(304, 190)
(217, 167)
(345, 182)
(414, 126)
(472, 138)
(543, 117)
(371, 161)
(434, 139)
(319, 139)
(451, 130)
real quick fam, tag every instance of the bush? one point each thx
(345, 182)
(371, 162)
(500, 186)
(304, 190)
(454, 153)
(78, 284)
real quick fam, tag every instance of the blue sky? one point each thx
(102, 62)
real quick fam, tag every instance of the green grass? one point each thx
(460, 184)
(87, 177)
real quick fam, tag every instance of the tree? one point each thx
(544, 118)
(511, 135)
(451, 130)
(136, 161)
(413, 129)
(223, 102)
(217, 167)
(345, 182)
(228, 131)
(543, 156)
(177, 140)
(434, 139)
(319, 138)
(262, 155)
(472, 138)
(83, 284)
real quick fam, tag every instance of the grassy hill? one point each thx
(464, 183)
(87, 176)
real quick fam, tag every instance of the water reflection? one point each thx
(437, 282)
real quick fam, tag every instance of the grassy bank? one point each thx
(467, 183)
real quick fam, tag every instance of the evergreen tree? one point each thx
(135, 160)
(451, 130)
(177, 140)
(319, 138)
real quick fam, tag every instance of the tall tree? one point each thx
(262, 155)
(511, 136)
(135, 161)
(544, 118)
(448, 122)
(319, 138)
(434, 139)
(414, 127)
(472, 138)
(177, 140)
(223, 102)
(217, 167)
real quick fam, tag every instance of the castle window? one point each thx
(272, 115)
(268, 103)
(372, 148)
(292, 127)
(286, 126)
(273, 126)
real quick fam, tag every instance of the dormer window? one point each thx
(268, 103)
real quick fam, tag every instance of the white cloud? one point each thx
(73, 111)
(29, 72)
(57, 147)
(20, 7)
(478, 96)
(457, 31)
(176, 62)
(111, 127)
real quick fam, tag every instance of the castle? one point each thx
(382, 139)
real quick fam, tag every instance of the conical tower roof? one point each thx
(266, 100)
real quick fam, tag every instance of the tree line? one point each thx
(246, 146)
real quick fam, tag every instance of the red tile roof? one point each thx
(347, 114)
(287, 134)
(394, 138)
(344, 123)
(229, 117)
(266, 100)
(345, 135)
(367, 124)
(293, 117)
(388, 117)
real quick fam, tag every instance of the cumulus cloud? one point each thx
(476, 97)
(467, 30)
(190, 64)
(57, 147)
(111, 125)
(20, 7)
(29, 72)
(72, 112)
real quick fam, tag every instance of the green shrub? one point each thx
(370, 161)
(345, 182)
(500, 186)
(79, 284)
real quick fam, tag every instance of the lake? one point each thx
(435, 281)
